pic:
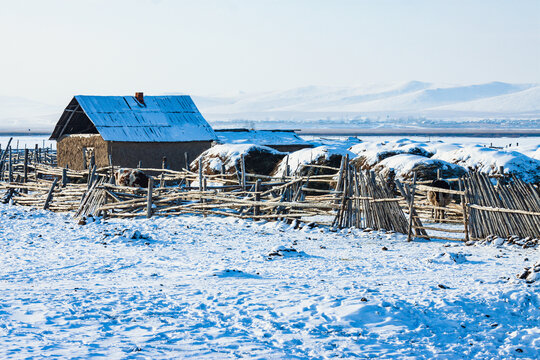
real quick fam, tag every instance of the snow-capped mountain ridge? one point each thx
(413, 97)
(414, 103)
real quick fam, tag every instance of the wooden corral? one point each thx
(354, 198)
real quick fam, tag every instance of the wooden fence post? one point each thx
(111, 166)
(64, 177)
(163, 166)
(411, 208)
(200, 174)
(243, 169)
(25, 179)
(91, 175)
(10, 166)
(465, 212)
(257, 208)
(49, 194)
(186, 158)
(149, 198)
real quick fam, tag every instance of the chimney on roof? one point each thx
(140, 97)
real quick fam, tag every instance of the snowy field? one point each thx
(220, 288)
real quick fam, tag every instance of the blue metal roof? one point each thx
(159, 119)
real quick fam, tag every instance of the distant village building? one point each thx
(281, 140)
(131, 129)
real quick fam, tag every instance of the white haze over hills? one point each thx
(413, 104)
(410, 105)
(18, 114)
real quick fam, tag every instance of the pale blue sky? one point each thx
(53, 49)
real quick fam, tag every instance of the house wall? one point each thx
(71, 147)
(126, 154)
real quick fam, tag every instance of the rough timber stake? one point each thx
(111, 180)
(243, 168)
(49, 195)
(257, 208)
(10, 167)
(411, 208)
(64, 177)
(25, 179)
(200, 174)
(149, 198)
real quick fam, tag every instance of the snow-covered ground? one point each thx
(219, 288)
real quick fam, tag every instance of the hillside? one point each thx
(412, 104)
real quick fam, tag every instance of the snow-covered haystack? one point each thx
(369, 158)
(402, 146)
(321, 155)
(404, 166)
(488, 160)
(258, 159)
(370, 154)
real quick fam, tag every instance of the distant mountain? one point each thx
(19, 114)
(414, 103)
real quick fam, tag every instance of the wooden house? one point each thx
(131, 130)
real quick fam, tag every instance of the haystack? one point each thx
(227, 158)
(404, 166)
(321, 155)
(370, 154)
(487, 160)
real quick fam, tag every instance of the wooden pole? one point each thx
(111, 166)
(5, 151)
(186, 158)
(149, 198)
(465, 215)
(200, 174)
(25, 179)
(91, 176)
(411, 207)
(64, 177)
(257, 208)
(163, 166)
(10, 167)
(49, 194)
(243, 169)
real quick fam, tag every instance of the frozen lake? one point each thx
(29, 141)
(43, 140)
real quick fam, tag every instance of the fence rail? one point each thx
(348, 198)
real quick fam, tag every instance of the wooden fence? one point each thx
(347, 198)
(508, 208)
